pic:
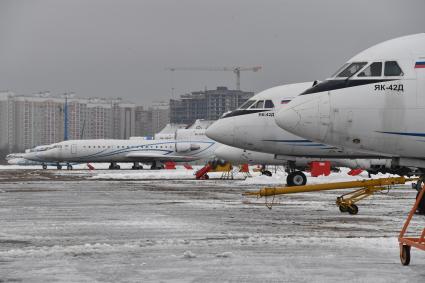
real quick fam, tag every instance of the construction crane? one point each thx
(236, 69)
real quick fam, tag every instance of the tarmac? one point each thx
(59, 226)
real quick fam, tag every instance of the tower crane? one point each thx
(235, 69)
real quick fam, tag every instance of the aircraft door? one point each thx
(73, 149)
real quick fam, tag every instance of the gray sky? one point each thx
(121, 48)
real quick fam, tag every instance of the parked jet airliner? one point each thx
(375, 103)
(188, 145)
(253, 127)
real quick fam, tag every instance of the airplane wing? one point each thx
(148, 156)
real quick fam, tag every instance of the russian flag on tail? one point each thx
(420, 64)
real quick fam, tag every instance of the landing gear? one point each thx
(44, 166)
(59, 167)
(136, 166)
(157, 166)
(114, 166)
(69, 167)
(296, 178)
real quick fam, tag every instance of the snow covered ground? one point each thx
(183, 230)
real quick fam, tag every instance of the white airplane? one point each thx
(188, 145)
(374, 103)
(253, 127)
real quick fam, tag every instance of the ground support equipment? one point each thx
(406, 243)
(346, 202)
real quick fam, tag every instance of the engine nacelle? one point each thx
(186, 146)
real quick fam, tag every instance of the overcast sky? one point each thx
(121, 48)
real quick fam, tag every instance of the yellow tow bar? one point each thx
(346, 202)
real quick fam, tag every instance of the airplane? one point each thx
(375, 103)
(188, 145)
(252, 127)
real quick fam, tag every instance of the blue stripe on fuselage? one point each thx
(403, 134)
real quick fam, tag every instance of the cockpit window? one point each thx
(374, 70)
(392, 69)
(340, 69)
(269, 104)
(258, 105)
(247, 104)
(352, 69)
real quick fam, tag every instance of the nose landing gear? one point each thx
(296, 178)
(137, 166)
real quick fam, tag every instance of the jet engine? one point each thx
(184, 139)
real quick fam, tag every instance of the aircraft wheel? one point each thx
(296, 178)
(44, 166)
(353, 209)
(59, 167)
(69, 167)
(405, 254)
(206, 177)
(117, 167)
(343, 208)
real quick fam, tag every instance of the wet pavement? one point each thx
(64, 228)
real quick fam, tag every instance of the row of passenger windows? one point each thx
(133, 146)
(391, 69)
(257, 104)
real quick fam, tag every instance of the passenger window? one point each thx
(258, 105)
(351, 70)
(269, 104)
(392, 69)
(374, 70)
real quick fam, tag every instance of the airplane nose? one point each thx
(221, 131)
(288, 119)
(308, 119)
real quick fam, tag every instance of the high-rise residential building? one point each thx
(99, 119)
(160, 115)
(123, 120)
(143, 122)
(38, 120)
(7, 141)
(208, 104)
(30, 120)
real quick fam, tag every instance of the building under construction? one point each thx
(208, 104)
